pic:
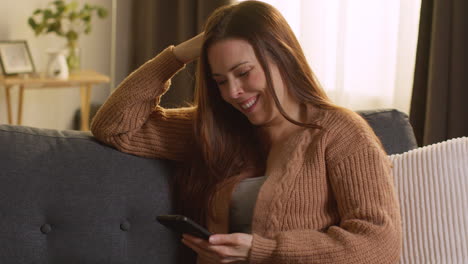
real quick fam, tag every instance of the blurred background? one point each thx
(367, 54)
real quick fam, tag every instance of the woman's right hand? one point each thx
(189, 50)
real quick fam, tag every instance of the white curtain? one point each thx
(362, 51)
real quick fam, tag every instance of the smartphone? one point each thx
(183, 225)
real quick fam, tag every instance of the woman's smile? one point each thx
(249, 104)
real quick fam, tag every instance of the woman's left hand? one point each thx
(221, 248)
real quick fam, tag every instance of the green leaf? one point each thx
(102, 12)
(59, 3)
(32, 23)
(50, 28)
(61, 9)
(59, 30)
(38, 11)
(87, 18)
(58, 26)
(73, 16)
(85, 13)
(48, 14)
(73, 5)
(72, 35)
(39, 29)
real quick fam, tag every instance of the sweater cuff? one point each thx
(262, 249)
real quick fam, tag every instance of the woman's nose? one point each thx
(235, 89)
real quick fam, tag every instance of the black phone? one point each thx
(183, 225)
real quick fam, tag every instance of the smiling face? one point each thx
(242, 82)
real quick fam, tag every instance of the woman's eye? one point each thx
(219, 83)
(244, 73)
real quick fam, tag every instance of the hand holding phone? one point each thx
(183, 225)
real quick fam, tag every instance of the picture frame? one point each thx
(15, 57)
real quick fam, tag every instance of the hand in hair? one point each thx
(189, 50)
(221, 248)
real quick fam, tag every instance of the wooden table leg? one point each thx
(8, 102)
(20, 104)
(85, 106)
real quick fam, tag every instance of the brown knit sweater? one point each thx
(329, 196)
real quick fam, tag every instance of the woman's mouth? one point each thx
(248, 105)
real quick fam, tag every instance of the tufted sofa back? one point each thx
(66, 198)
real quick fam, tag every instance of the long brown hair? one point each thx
(225, 140)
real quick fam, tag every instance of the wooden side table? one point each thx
(84, 79)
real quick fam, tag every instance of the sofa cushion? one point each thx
(432, 183)
(66, 198)
(393, 128)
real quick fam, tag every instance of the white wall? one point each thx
(52, 107)
(123, 40)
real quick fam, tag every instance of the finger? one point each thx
(222, 252)
(201, 245)
(232, 245)
(198, 248)
(196, 240)
(225, 239)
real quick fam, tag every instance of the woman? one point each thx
(276, 171)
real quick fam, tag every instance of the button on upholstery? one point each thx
(46, 228)
(125, 226)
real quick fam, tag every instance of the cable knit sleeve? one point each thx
(369, 230)
(132, 121)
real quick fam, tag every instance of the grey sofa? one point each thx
(67, 198)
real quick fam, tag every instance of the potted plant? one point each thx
(66, 20)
